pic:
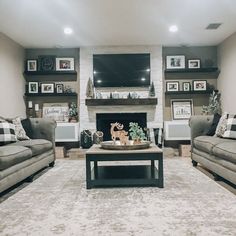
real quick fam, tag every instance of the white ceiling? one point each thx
(40, 23)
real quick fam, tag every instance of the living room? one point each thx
(191, 44)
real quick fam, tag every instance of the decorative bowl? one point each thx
(110, 145)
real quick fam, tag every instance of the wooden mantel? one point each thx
(121, 102)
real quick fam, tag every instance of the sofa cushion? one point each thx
(230, 131)
(221, 127)
(12, 155)
(7, 133)
(214, 124)
(26, 123)
(226, 150)
(20, 132)
(206, 143)
(37, 146)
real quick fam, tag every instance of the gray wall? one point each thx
(208, 58)
(12, 83)
(227, 78)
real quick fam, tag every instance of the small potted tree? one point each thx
(136, 132)
(73, 113)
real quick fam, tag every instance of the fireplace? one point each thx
(104, 120)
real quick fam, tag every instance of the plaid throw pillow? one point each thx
(7, 133)
(230, 131)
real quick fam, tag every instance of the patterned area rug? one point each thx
(57, 203)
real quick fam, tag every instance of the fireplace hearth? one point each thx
(104, 120)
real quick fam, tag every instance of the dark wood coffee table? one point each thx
(110, 175)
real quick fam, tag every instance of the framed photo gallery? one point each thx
(36, 87)
(50, 63)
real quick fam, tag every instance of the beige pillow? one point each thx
(20, 132)
(221, 127)
(230, 131)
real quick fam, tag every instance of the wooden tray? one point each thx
(111, 146)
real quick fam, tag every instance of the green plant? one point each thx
(214, 104)
(136, 132)
(73, 111)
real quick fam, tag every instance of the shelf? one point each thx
(212, 72)
(121, 101)
(41, 76)
(209, 91)
(50, 72)
(51, 94)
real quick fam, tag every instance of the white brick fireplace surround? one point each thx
(154, 113)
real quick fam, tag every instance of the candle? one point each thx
(36, 107)
(30, 104)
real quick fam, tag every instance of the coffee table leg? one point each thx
(152, 169)
(95, 169)
(88, 173)
(160, 172)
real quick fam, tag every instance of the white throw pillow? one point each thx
(20, 132)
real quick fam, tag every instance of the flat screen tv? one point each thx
(121, 70)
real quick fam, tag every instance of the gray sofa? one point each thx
(216, 154)
(22, 159)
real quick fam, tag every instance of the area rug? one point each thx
(58, 203)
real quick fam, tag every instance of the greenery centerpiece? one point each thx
(136, 132)
(73, 112)
(214, 105)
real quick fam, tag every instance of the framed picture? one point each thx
(199, 85)
(175, 62)
(59, 88)
(47, 63)
(31, 65)
(182, 109)
(33, 87)
(186, 86)
(172, 86)
(65, 64)
(56, 111)
(47, 88)
(193, 63)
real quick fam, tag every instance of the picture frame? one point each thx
(65, 64)
(194, 63)
(172, 86)
(31, 65)
(199, 85)
(56, 111)
(186, 86)
(175, 62)
(33, 87)
(59, 88)
(181, 109)
(47, 88)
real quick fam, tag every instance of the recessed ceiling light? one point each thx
(143, 79)
(173, 28)
(68, 30)
(99, 81)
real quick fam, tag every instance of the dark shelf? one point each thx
(51, 94)
(191, 92)
(121, 101)
(50, 72)
(41, 76)
(212, 72)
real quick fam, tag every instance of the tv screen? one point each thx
(121, 70)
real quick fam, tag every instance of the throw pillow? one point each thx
(230, 131)
(214, 124)
(27, 127)
(20, 132)
(7, 133)
(221, 127)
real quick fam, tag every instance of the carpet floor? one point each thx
(58, 203)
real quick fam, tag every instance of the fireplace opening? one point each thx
(104, 120)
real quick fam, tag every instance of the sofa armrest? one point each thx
(43, 129)
(199, 125)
